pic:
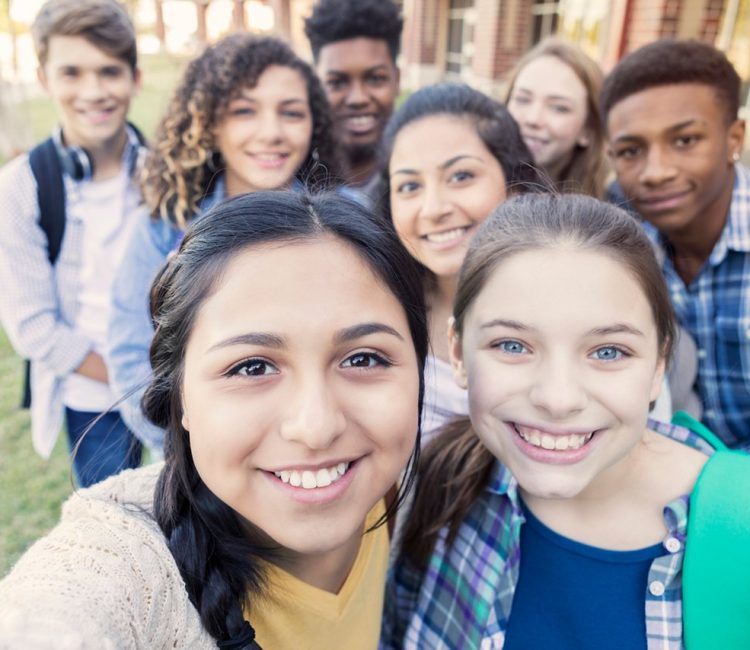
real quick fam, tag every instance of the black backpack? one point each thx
(47, 169)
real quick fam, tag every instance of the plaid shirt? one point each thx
(715, 309)
(464, 598)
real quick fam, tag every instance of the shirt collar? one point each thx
(736, 233)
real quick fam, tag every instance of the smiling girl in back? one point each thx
(562, 519)
(288, 354)
(453, 154)
(553, 94)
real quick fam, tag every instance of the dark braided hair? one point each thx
(180, 167)
(217, 550)
(341, 20)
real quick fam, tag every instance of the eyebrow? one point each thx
(375, 68)
(365, 329)
(442, 166)
(616, 328)
(672, 129)
(262, 339)
(268, 340)
(555, 97)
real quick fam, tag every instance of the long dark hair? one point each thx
(215, 551)
(455, 466)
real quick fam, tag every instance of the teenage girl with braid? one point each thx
(287, 360)
(248, 115)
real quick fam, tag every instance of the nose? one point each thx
(357, 97)
(313, 416)
(557, 389)
(530, 114)
(91, 87)
(270, 128)
(434, 205)
(658, 167)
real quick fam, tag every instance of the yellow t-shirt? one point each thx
(298, 616)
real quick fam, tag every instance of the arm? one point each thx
(130, 329)
(29, 305)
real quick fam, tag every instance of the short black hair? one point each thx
(340, 20)
(670, 61)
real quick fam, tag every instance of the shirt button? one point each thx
(672, 545)
(701, 353)
(656, 588)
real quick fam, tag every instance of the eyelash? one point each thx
(501, 345)
(375, 359)
(620, 353)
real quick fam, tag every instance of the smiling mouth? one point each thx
(309, 479)
(270, 160)
(447, 236)
(360, 123)
(552, 442)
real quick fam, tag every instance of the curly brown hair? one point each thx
(180, 167)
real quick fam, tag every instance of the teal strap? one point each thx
(684, 419)
(716, 569)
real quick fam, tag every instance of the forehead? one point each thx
(563, 289)
(314, 286)
(430, 141)
(77, 51)
(550, 76)
(653, 111)
(278, 82)
(354, 55)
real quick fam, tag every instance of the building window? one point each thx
(544, 16)
(461, 21)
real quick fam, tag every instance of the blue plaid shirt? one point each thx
(715, 309)
(463, 599)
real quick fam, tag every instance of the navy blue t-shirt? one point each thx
(571, 596)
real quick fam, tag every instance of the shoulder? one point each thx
(107, 563)
(17, 184)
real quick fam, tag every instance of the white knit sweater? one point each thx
(103, 578)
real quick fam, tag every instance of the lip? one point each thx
(315, 496)
(448, 244)
(553, 456)
(365, 124)
(662, 202)
(97, 115)
(269, 159)
(312, 468)
(534, 143)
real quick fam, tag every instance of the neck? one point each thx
(328, 570)
(361, 172)
(106, 156)
(440, 301)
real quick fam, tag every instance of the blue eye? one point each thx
(408, 187)
(461, 175)
(365, 360)
(253, 368)
(608, 353)
(512, 347)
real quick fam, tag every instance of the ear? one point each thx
(398, 79)
(41, 76)
(658, 379)
(736, 140)
(456, 354)
(137, 81)
(584, 138)
(184, 420)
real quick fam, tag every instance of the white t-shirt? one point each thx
(105, 209)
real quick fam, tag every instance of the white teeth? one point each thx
(361, 120)
(546, 441)
(448, 235)
(309, 480)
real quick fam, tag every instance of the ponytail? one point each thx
(454, 470)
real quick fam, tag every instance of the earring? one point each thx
(214, 161)
(315, 155)
(736, 156)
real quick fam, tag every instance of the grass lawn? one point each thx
(32, 489)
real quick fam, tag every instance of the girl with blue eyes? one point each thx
(453, 154)
(248, 115)
(556, 517)
(287, 373)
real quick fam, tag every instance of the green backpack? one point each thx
(716, 569)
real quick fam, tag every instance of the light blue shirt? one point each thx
(130, 329)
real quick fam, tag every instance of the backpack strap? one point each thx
(50, 191)
(716, 568)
